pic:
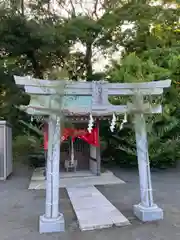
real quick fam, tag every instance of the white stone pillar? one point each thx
(146, 210)
(55, 169)
(52, 220)
(48, 207)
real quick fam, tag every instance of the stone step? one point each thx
(38, 174)
(79, 182)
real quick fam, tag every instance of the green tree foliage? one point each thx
(37, 52)
(163, 130)
(27, 47)
(151, 52)
(134, 69)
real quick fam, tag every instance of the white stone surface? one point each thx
(93, 210)
(81, 178)
(38, 174)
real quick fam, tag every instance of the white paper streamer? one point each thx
(91, 123)
(113, 123)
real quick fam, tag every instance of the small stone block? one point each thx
(148, 214)
(50, 225)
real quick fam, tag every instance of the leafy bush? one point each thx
(29, 150)
(163, 149)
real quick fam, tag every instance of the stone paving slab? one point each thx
(73, 180)
(93, 210)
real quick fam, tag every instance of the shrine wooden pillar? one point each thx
(98, 151)
(95, 156)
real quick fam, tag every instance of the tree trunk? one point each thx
(88, 62)
(38, 72)
(22, 7)
(49, 6)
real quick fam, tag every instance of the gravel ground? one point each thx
(20, 209)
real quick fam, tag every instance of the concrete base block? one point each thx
(148, 214)
(50, 225)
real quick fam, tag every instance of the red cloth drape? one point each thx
(91, 138)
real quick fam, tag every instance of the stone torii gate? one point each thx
(146, 210)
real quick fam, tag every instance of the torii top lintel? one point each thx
(98, 91)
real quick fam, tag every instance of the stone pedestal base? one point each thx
(50, 225)
(148, 214)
